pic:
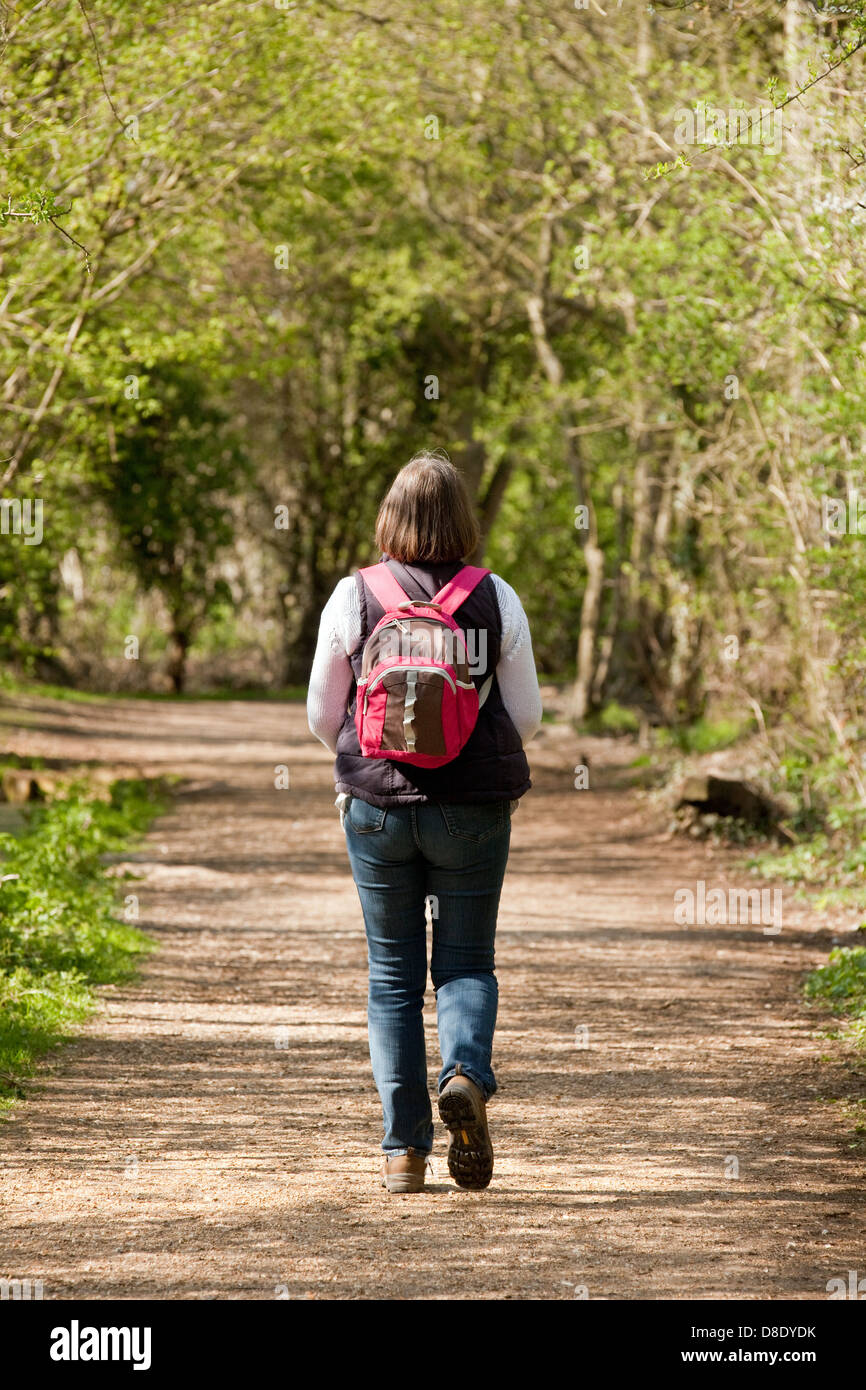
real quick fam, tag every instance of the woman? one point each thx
(437, 833)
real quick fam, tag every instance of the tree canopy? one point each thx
(609, 256)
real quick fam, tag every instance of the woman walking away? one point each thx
(424, 686)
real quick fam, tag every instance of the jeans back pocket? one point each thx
(474, 820)
(364, 818)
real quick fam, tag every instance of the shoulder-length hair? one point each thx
(427, 513)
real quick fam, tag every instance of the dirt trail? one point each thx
(214, 1132)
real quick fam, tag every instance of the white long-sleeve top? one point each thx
(332, 678)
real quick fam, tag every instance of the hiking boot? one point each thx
(404, 1172)
(463, 1111)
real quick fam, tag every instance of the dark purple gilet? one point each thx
(492, 765)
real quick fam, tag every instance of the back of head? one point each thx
(427, 514)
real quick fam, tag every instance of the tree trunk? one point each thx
(178, 651)
(299, 652)
(609, 638)
(590, 612)
(581, 699)
(490, 504)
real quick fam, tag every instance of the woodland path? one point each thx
(213, 1132)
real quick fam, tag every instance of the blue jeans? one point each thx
(400, 856)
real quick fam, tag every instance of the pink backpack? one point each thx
(416, 701)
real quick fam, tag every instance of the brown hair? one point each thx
(427, 513)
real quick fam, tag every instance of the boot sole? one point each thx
(470, 1153)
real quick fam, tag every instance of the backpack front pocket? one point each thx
(410, 710)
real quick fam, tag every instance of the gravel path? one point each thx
(213, 1132)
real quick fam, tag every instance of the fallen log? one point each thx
(730, 796)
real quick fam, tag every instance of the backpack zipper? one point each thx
(407, 632)
(437, 670)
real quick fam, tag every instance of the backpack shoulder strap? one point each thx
(386, 587)
(458, 589)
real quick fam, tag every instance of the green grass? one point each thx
(841, 983)
(11, 686)
(704, 735)
(612, 719)
(60, 929)
(829, 869)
